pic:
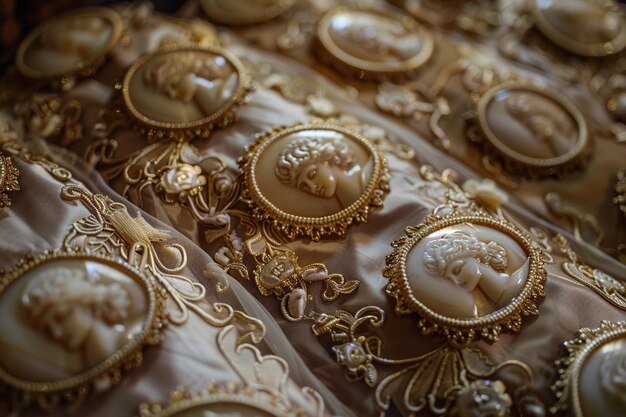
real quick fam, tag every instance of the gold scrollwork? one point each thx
(8, 179)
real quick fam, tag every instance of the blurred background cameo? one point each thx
(584, 21)
(243, 12)
(64, 317)
(375, 38)
(314, 173)
(69, 44)
(602, 381)
(466, 271)
(531, 124)
(182, 86)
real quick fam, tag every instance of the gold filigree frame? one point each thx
(517, 163)
(8, 179)
(216, 395)
(49, 394)
(312, 227)
(463, 331)
(351, 66)
(215, 13)
(223, 117)
(580, 48)
(86, 68)
(579, 349)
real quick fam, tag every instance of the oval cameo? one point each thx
(69, 44)
(223, 409)
(592, 379)
(466, 274)
(532, 125)
(244, 12)
(584, 27)
(373, 42)
(185, 87)
(314, 177)
(68, 319)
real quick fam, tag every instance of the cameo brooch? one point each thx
(529, 131)
(72, 322)
(313, 180)
(182, 92)
(372, 43)
(74, 44)
(592, 376)
(590, 28)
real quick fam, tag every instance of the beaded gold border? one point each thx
(354, 67)
(312, 227)
(463, 331)
(214, 12)
(580, 48)
(529, 167)
(48, 394)
(579, 349)
(183, 400)
(86, 68)
(221, 118)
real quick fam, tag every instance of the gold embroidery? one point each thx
(8, 179)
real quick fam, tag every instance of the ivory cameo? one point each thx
(222, 410)
(584, 27)
(593, 377)
(314, 177)
(67, 319)
(466, 271)
(184, 87)
(374, 42)
(244, 12)
(69, 44)
(532, 126)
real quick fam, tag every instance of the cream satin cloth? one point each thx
(188, 355)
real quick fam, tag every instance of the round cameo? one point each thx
(465, 273)
(74, 43)
(594, 374)
(244, 12)
(68, 320)
(314, 180)
(372, 43)
(583, 27)
(185, 88)
(534, 129)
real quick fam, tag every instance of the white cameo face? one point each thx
(314, 173)
(466, 270)
(224, 409)
(584, 21)
(180, 86)
(602, 381)
(66, 316)
(529, 125)
(69, 44)
(375, 40)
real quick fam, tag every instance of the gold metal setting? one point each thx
(222, 117)
(580, 350)
(620, 189)
(357, 67)
(84, 68)
(49, 394)
(8, 179)
(237, 13)
(599, 49)
(263, 209)
(514, 162)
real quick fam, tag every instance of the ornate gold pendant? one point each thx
(372, 43)
(185, 91)
(72, 44)
(530, 131)
(73, 321)
(313, 180)
(591, 376)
